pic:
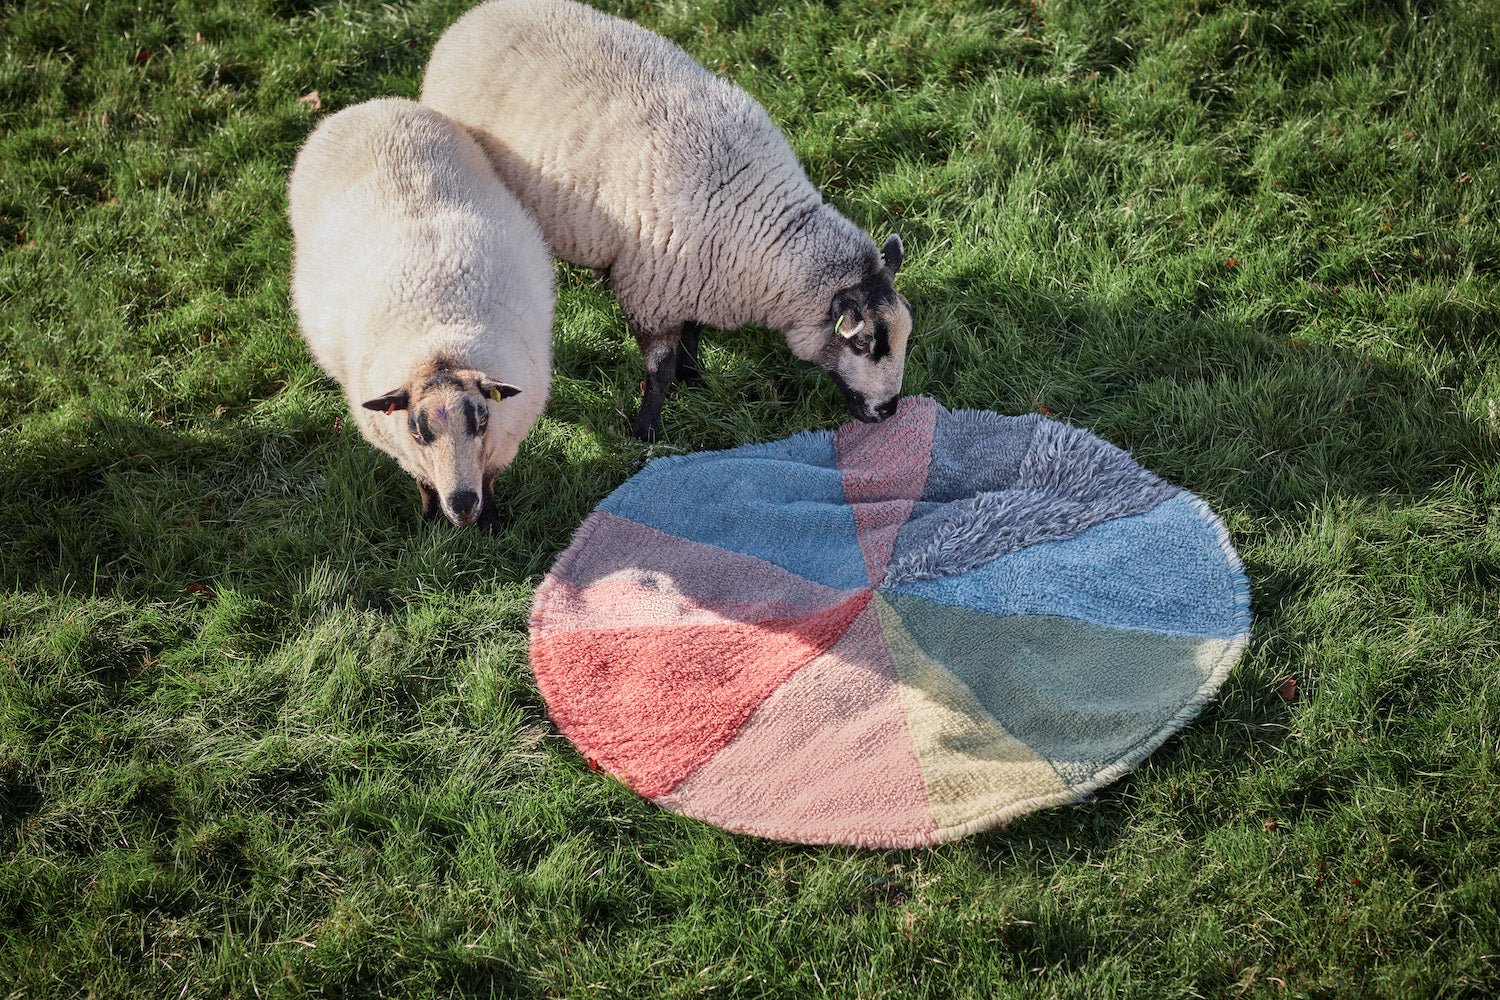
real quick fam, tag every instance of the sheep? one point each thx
(419, 283)
(638, 161)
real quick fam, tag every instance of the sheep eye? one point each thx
(478, 416)
(862, 342)
(417, 426)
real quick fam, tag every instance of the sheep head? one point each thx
(864, 345)
(446, 441)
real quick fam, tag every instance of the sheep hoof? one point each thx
(489, 516)
(646, 429)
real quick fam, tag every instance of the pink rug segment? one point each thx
(830, 754)
(621, 574)
(887, 461)
(877, 525)
(884, 473)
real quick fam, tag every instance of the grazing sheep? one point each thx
(420, 283)
(636, 159)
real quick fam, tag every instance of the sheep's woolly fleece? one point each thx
(887, 635)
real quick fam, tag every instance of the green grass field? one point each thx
(263, 733)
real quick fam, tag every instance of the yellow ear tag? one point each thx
(838, 325)
(496, 394)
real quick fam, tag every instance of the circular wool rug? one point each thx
(891, 634)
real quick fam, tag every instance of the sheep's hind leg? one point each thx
(687, 355)
(660, 352)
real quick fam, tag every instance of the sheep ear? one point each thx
(396, 399)
(849, 320)
(497, 391)
(893, 252)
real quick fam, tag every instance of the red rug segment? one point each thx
(652, 704)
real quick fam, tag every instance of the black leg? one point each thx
(430, 502)
(489, 513)
(661, 370)
(687, 355)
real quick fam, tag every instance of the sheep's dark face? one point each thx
(865, 349)
(446, 418)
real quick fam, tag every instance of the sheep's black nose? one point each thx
(866, 412)
(464, 504)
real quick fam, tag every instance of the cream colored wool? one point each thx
(416, 270)
(636, 159)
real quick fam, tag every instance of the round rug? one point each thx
(891, 634)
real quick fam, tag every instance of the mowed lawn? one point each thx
(264, 733)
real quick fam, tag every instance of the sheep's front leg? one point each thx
(660, 352)
(431, 502)
(489, 514)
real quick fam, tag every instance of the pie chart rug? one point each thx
(891, 634)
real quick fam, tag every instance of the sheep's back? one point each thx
(402, 227)
(630, 154)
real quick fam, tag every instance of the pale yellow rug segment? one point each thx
(970, 765)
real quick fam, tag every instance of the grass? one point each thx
(265, 734)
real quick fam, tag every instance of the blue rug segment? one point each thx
(782, 502)
(1163, 571)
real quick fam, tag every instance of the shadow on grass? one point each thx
(1260, 424)
(112, 505)
(1246, 414)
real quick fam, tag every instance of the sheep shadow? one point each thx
(1258, 423)
(127, 507)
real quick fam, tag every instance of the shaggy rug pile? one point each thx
(891, 634)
